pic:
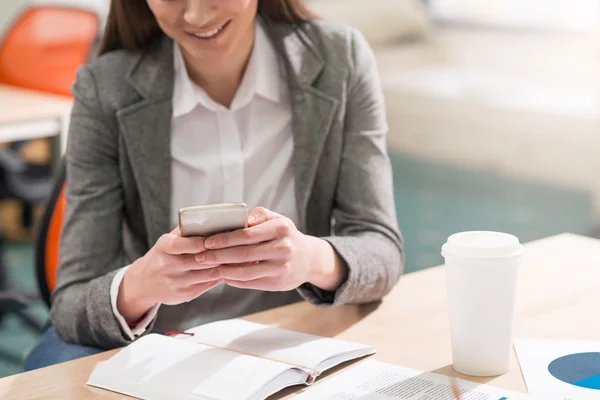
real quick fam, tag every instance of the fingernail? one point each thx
(251, 219)
(200, 257)
(209, 243)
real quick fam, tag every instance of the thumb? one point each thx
(259, 215)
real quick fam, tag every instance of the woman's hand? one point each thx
(273, 255)
(167, 274)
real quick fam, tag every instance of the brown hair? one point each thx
(132, 26)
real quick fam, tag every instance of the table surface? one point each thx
(23, 105)
(558, 292)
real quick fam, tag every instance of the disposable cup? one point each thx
(481, 270)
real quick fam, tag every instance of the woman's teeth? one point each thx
(209, 34)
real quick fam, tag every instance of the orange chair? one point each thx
(48, 237)
(45, 46)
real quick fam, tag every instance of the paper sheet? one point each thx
(374, 380)
(568, 368)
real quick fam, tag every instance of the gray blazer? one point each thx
(119, 179)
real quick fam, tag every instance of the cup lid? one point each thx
(482, 244)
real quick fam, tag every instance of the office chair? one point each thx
(47, 246)
(47, 242)
(41, 51)
(45, 47)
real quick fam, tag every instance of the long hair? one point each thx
(132, 26)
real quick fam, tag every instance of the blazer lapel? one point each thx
(146, 128)
(313, 110)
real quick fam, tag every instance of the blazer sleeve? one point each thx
(91, 250)
(366, 235)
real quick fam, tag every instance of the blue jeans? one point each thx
(51, 349)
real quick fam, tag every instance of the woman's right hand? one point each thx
(167, 274)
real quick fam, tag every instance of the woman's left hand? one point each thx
(273, 255)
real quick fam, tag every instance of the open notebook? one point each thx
(226, 360)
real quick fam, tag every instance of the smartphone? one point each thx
(211, 219)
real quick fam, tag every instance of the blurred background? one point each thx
(493, 108)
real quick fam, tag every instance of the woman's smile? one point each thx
(209, 35)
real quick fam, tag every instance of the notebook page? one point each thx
(291, 347)
(374, 380)
(159, 367)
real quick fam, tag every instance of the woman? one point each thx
(208, 101)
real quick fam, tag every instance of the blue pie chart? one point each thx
(581, 370)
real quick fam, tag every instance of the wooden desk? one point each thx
(558, 294)
(27, 114)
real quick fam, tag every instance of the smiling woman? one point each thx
(199, 102)
(121, 33)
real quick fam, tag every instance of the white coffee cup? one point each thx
(481, 270)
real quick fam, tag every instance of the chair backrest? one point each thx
(48, 237)
(45, 46)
